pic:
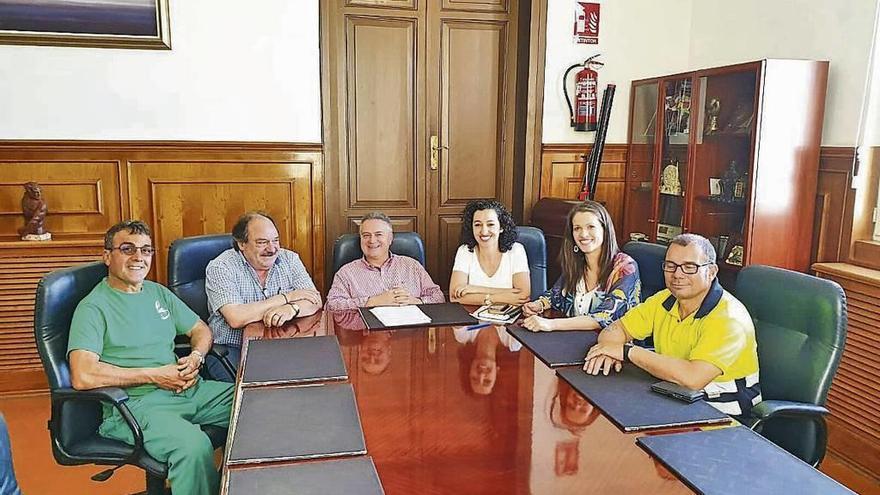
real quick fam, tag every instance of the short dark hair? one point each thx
(131, 226)
(240, 229)
(705, 246)
(505, 219)
(377, 215)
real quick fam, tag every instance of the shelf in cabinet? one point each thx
(711, 199)
(728, 135)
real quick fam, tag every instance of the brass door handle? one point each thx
(435, 152)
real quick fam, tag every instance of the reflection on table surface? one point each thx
(448, 410)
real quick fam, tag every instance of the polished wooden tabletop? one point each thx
(447, 410)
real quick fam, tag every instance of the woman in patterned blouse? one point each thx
(599, 283)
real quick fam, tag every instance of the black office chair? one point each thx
(347, 248)
(650, 258)
(76, 414)
(800, 326)
(532, 239)
(188, 258)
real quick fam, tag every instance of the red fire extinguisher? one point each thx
(584, 114)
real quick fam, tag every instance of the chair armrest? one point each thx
(112, 395)
(770, 408)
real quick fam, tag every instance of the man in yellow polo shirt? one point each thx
(704, 337)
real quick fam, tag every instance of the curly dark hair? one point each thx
(508, 226)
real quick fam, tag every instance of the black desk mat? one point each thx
(332, 477)
(555, 349)
(627, 400)
(736, 460)
(297, 360)
(291, 423)
(441, 315)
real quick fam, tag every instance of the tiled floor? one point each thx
(38, 473)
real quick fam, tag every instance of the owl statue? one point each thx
(34, 209)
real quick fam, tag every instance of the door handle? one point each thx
(435, 152)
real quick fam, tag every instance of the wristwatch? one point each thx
(626, 348)
(295, 307)
(199, 354)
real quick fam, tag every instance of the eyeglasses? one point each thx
(686, 268)
(129, 249)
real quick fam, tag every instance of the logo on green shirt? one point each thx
(163, 313)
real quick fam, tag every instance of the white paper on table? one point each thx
(393, 316)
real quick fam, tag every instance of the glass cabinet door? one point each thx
(640, 169)
(722, 163)
(675, 135)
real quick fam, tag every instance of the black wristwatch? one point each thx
(626, 348)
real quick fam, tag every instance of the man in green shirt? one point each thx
(122, 335)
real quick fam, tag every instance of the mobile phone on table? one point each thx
(499, 309)
(678, 392)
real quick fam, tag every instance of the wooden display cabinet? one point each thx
(731, 153)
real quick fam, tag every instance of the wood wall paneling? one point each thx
(179, 189)
(182, 198)
(854, 399)
(562, 169)
(22, 265)
(834, 203)
(83, 196)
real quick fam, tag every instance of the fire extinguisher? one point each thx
(584, 114)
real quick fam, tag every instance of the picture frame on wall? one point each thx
(142, 24)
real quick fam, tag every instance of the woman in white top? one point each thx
(490, 266)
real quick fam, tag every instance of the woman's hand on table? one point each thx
(537, 323)
(533, 308)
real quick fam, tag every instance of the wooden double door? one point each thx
(419, 111)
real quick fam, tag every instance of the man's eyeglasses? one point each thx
(686, 268)
(129, 249)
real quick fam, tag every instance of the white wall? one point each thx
(725, 32)
(235, 73)
(644, 38)
(637, 39)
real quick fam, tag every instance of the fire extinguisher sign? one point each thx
(586, 23)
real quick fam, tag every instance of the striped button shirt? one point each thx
(230, 279)
(358, 281)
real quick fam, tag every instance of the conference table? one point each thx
(452, 410)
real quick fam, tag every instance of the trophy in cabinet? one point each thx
(735, 257)
(669, 182)
(713, 109)
(728, 182)
(739, 187)
(741, 119)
